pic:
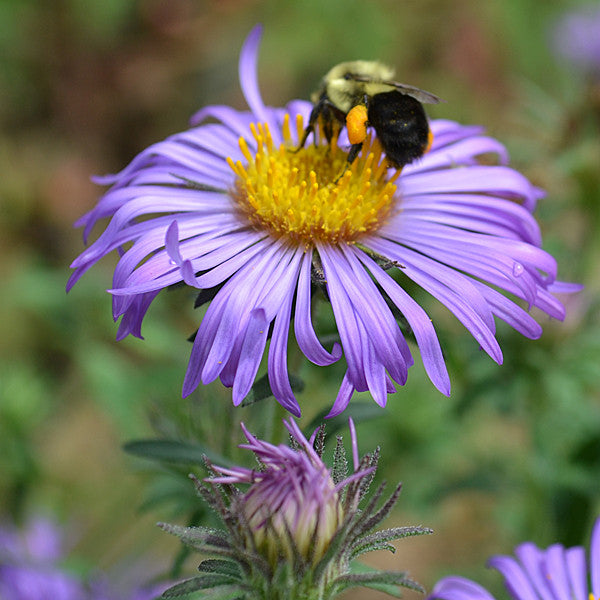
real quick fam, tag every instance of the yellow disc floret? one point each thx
(299, 194)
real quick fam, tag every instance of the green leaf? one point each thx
(262, 389)
(359, 411)
(216, 587)
(174, 451)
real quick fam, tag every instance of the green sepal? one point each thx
(216, 542)
(369, 461)
(224, 567)
(379, 540)
(340, 462)
(368, 520)
(371, 547)
(336, 547)
(388, 582)
(204, 539)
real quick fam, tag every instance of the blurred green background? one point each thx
(514, 454)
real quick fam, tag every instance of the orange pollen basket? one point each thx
(356, 124)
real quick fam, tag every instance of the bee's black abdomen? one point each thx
(401, 126)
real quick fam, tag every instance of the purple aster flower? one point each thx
(228, 208)
(576, 38)
(556, 573)
(30, 569)
(28, 564)
(294, 526)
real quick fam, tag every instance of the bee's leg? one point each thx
(314, 115)
(354, 150)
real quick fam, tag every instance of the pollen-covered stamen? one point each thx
(301, 195)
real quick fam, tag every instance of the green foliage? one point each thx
(173, 451)
(261, 389)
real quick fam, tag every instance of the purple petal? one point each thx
(446, 132)
(343, 398)
(595, 559)
(248, 76)
(277, 367)
(515, 579)
(305, 333)
(556, 572)
(420, 323)
(373, 369)
(388, 344)
(492, 216)
(496, 181)
(346, 321)
(210, 252)
(513, 272)
(131, 321)
(277, 360)
(533, 559)
(463, 152)
(576, 568)
(510, 312)
(458, 588)
(251, 353)
(203, 341)
(242, 292)
(414, 232)
(564, 287)
(216, 138)
(172, 243)
(455, 302)
(546, 302)
(414, 263)
(250, 245)
(43, 540)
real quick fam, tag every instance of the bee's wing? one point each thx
(421, 95)
(418, 94)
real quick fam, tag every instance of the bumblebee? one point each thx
(361, 94)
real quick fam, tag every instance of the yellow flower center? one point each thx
(311, 194)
